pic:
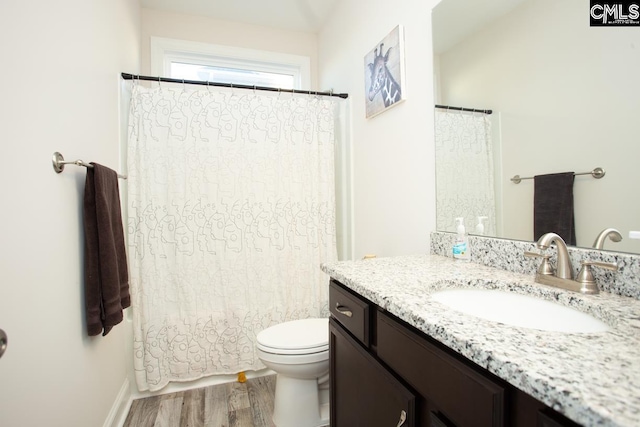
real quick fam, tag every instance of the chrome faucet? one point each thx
(563, 268)
(563, 277)
(613, 234)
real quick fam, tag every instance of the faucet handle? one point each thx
(585, 275)
(545, 267)
(608, 265)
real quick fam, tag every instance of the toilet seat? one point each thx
(304, 336)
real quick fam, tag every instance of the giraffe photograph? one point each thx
(384, 73)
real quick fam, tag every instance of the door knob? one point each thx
(3, 342)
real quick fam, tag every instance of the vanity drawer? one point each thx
(465, 396)
(350, 311)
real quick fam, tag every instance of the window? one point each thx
(201, 61)
(211, 73)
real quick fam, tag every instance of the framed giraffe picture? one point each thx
(384, 73)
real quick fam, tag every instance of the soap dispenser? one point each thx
(480, 225)
(461, 246)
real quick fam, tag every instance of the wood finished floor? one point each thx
(225, 405)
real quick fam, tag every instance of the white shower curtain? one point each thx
(464, 170)
(231, 210)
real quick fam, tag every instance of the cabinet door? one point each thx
(463, 395)
(363, 393)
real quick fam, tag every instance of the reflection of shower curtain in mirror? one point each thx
(464, 170)
(231, 210)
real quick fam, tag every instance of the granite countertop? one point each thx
(592, 378)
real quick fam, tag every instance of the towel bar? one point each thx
(59, 162)
(597, 173)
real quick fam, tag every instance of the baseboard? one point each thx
(120, 407)
(177, 387)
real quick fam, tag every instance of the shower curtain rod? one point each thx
(128, 76)
(471, 110)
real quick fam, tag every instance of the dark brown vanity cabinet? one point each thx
(363, 392)
(384, 373)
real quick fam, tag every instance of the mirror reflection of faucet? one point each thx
(563, 277)
(613, 234)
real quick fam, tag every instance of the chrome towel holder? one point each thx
(597, 173)
(59, 162)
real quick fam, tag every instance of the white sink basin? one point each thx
(519, 310)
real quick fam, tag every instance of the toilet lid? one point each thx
(296, 337)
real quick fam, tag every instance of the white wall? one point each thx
(568, 98)
(60, 86)
(208, 30)
(392, 154)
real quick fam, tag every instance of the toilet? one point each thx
(298, 352)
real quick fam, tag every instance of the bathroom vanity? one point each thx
(399, 358)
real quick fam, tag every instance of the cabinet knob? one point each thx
(344, 310)
(3, 342)
(403, 418)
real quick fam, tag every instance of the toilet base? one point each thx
(307, 410)
(324, 415)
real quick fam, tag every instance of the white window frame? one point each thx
(164, 51)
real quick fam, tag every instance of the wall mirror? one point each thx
(565, 98)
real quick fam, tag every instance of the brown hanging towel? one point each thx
(106, 272)
(553, 206)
